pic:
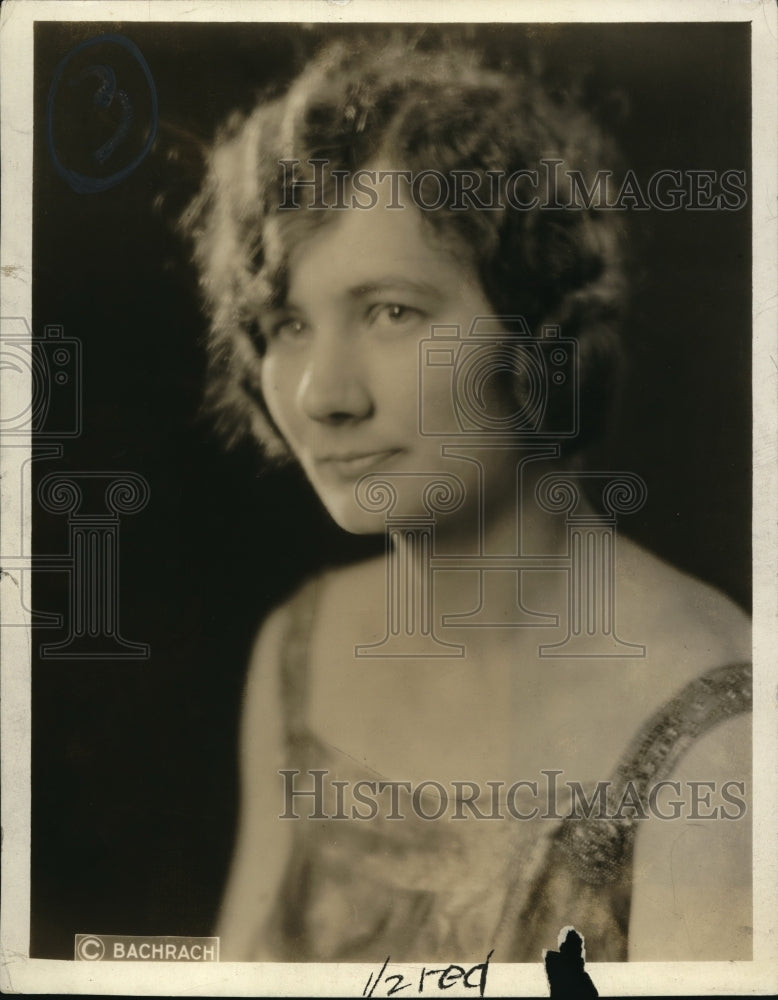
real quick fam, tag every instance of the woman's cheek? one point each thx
(279, 394)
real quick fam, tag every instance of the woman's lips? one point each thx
(351, 465)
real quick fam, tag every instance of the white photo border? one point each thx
(22, 974)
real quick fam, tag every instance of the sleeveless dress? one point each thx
(454, 891)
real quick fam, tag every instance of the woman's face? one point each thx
(341, 374)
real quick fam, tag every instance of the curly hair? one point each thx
(353, 105)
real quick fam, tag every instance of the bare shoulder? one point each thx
(692, 872)
(681, 620)
(262, 688)
(691, 895)
(324, 609)
(276, 627)
(688, 628)
(270, 634)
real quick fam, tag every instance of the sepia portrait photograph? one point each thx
(388, 446)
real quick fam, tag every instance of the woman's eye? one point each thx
(393, 315)
(289, 329)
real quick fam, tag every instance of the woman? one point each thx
(409, 298)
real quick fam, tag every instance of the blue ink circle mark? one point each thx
(103, 98)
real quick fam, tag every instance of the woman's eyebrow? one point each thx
(393, 283)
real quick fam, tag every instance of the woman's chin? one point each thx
(351, 517)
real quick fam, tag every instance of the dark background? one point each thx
(134, 782)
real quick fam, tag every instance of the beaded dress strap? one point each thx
(295, 655)
(598, 849)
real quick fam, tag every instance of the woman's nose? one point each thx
(334, 388)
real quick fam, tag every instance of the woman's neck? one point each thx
(494, 533)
